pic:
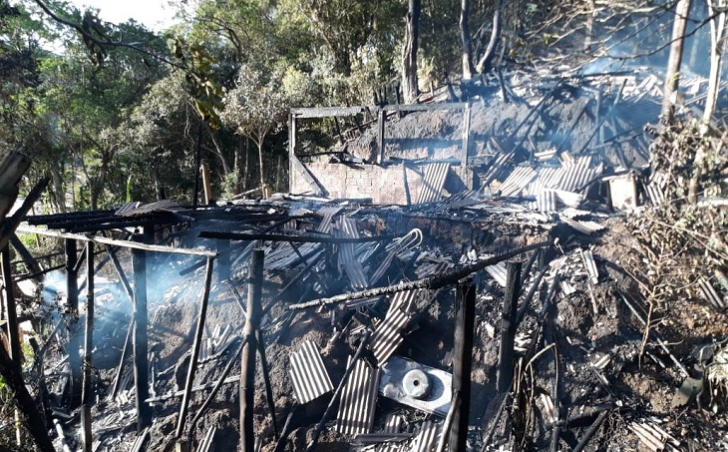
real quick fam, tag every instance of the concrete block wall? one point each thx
(384, 185)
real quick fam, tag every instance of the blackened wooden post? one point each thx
(88, 346)
(12, 322)
(462, 364)
(381, 121)
(74, 342)
(266, 379)
(195, 349)
(247, 377)
(291, 149)
(10, 309)
(508, 327)
(140, 339)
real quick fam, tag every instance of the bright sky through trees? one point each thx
(155, 14)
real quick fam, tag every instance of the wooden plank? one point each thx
(427, 107)
(296, 164)
(120, 243)
(327, 112)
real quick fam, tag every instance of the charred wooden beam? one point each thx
(427, 107)
(195, 349)
(87, 394)
(119, 243)
(141, 339)
(266, 379)
(381, 123)
(10, 308)
(9, 225)
(462, 364)
(247, 375)
(74, 341)
(35, 422)
(432, 282)
(27, 258)
(326, 112)
(508, 327)
(292, 238)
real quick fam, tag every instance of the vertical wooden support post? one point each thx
(247, 377)
(223, 259)
(140, 339)
(10, 309)
(464, 173)
(464, 327)
(74, 342)
(381, 121)
(195, 349)
(206, 184)
(291, 149)
(12, 324)
(87, 393)
(508, 327)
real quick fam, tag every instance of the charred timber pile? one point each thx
(353, 318)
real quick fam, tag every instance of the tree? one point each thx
(409, 52)
(256, 106)
(717, 17)
(672, 76)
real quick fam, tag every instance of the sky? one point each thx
(155, 14)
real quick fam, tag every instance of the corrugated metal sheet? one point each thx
(427, 437)
(347, 255)
(577, 174)
(498, 272)
(546, 201)
(710, 294)
(136, 208)
(497, 169)
(656, 188)
(517, 181)
(358, 400)
(431, 191)
(308, 374)
(388, 335)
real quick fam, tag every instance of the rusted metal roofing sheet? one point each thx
(435, 174)
(498, 272)
(358, 400)
(388, 335)
(517, 181)
(308, 374)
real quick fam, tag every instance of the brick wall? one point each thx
(384, 185)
